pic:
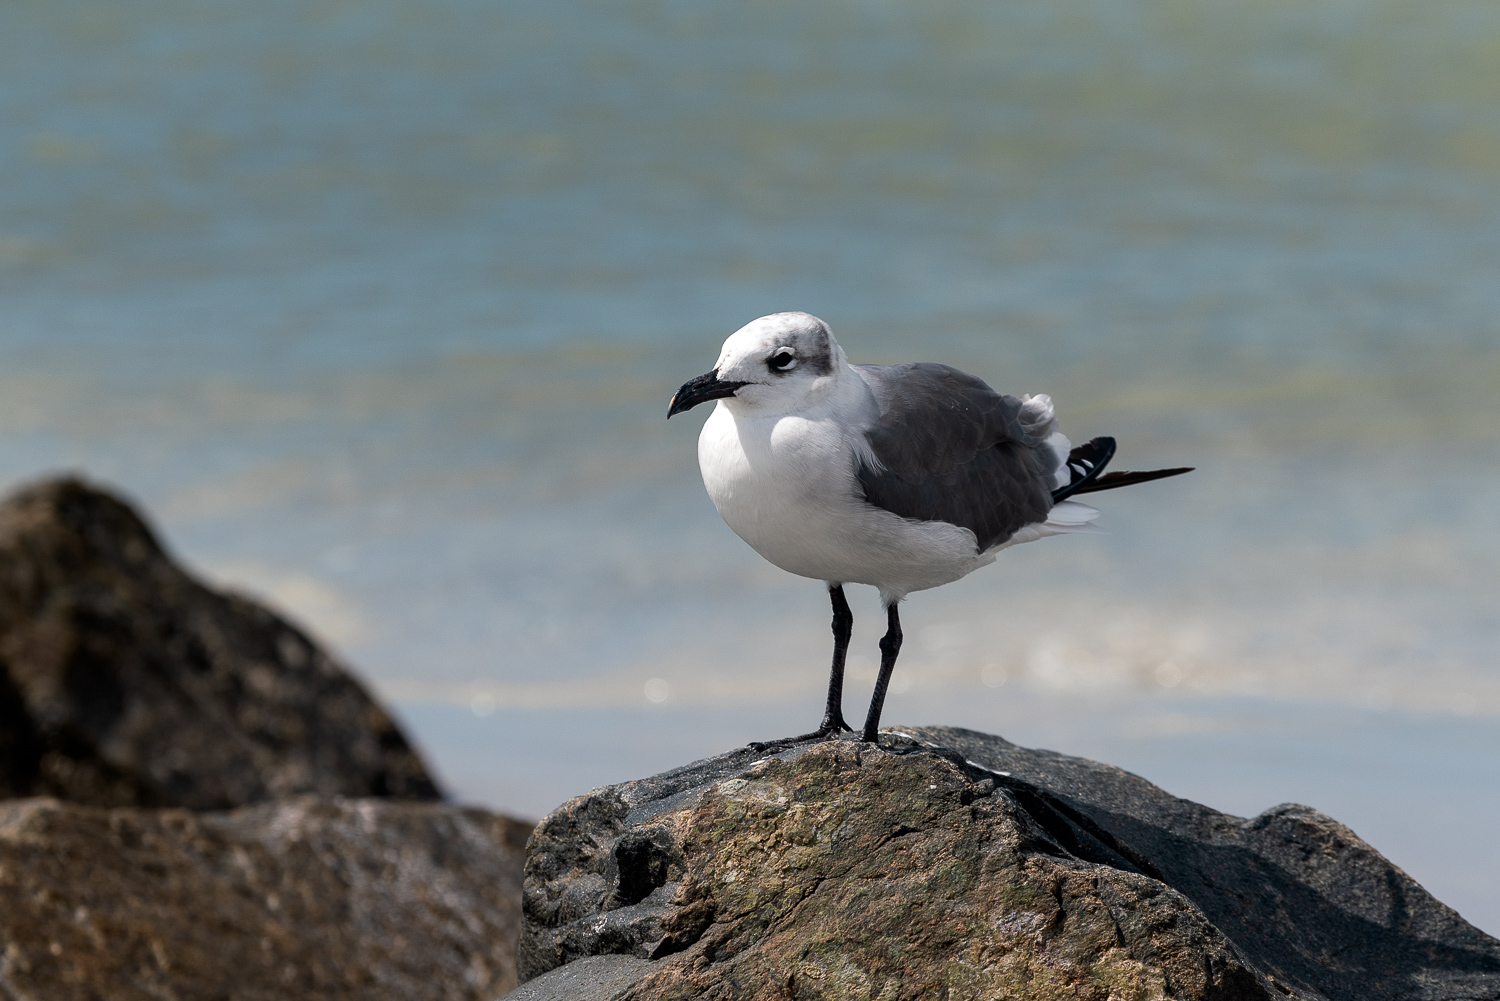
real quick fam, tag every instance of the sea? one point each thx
(375, 307)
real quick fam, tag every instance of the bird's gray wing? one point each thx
(947, 447)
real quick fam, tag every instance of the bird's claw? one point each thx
(827, 731)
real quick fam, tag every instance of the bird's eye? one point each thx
(783, 360)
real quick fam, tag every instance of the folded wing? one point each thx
(947, 447)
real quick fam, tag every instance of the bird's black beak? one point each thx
(700, 390)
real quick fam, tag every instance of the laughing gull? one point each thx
(903, 477)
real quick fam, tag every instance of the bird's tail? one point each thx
(1086, 464)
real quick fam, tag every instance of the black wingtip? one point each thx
(1126, 478)
(1085, 463)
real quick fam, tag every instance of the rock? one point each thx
(301, 899)
(952, 864)
(592, 978)
(124, 681)
(140, 695)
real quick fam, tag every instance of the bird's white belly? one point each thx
(787, 487)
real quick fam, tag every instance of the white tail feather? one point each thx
(1066, 518)
(1072, 516)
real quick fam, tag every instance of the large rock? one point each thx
(951, 864)
(124, 681)
(302, 899)
(129, 688)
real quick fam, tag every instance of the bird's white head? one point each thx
(777, 364)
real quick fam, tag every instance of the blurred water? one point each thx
(377, 307)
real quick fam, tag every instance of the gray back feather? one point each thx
(950, 448)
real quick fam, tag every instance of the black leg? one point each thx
(890, 646)
(843, 627)
(833, 715)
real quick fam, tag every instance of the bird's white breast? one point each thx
(787, 486)
(780, 484)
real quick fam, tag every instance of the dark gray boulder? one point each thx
(124, 681)
(952, 864)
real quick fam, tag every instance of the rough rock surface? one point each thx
(124, 681)
(305, 898)
(951, 864)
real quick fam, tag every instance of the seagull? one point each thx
(902, 477)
